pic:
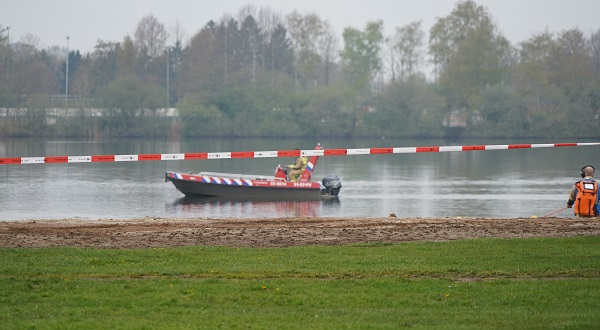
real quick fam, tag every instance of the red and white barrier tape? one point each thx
(273, 154)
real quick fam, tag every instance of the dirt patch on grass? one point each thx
(277, 232)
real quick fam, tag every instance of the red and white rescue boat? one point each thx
(229, 185)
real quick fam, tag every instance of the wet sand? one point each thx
(277, 232)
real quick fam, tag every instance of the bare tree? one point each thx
(245, 11)
(328, 46)
(177, 33)
(268, 20)
(83, 82)
(392, 61)
(150, 37)
(31, 39)
(307, 33)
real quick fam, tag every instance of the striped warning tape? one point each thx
(274, 154)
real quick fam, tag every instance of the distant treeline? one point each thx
(261, 74)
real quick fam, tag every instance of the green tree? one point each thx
(571, 65)
(409, 108)
(128, 97)
(250, 46)
(229, 35)
(559, 83)
(126, 58)
(595, 50)
(360, 56)
(204, 68)
(531, 75)
(573, 73)
(503, 113)
(449, 32)
(200, 120)
(361, 62)
(7, 97)
(469, 55)
(280, 58)
(323, 112)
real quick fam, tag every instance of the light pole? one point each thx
(168, 62)
(67, 77)
(7, 29)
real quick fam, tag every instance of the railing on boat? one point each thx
(240, 176)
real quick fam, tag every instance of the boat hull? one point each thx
(197, 185)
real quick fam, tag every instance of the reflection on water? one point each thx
(504, 183)
(215, 207)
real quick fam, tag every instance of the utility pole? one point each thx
(67, 77)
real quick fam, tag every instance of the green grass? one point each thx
(471, 284)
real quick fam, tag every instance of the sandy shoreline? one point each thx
(277, 232)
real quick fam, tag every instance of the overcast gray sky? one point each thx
(87, 21)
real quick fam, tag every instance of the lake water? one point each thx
(500, 183)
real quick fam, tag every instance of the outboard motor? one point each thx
(332, 184)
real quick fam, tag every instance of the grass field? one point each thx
(550, 283)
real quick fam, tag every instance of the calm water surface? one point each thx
(502, 183)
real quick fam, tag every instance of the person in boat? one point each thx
(295, 170)
(583, 197)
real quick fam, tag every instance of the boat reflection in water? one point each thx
(218, 207)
